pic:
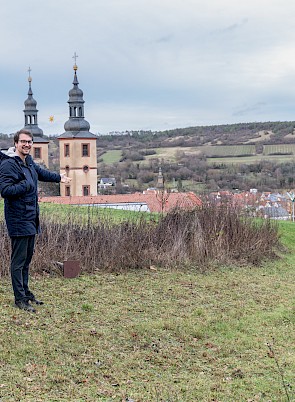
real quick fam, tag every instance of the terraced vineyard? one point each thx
(210, 151)
(228, 150)
(279, 149)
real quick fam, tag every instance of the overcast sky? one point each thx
(149, 64)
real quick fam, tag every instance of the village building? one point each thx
(107, 182)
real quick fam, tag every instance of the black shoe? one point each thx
(24, 305)
(38, 302)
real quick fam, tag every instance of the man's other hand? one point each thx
(64, 178)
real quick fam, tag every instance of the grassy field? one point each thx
(83, 215)
(154, 335)
(112, 156)
(170, 153)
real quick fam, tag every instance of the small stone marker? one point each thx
(71, 269)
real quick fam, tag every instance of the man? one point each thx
(19, 177)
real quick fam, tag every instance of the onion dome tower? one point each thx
(77, 147)
(40, 145)
(31, 112)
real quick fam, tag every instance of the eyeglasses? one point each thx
(30, 142)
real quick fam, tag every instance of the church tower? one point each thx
(40, 145)
(160, 179)
(77, 147)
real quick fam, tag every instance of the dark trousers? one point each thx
(22, 250)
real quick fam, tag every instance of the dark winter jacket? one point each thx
(19, 188)
(3, 156)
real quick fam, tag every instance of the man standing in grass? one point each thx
(19, 177)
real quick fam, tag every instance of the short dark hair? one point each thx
(22, 131)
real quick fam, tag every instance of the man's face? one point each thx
(24, 145)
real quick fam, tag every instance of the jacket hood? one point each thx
(10, 152)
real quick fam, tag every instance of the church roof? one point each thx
(31, 112)
(40, 140)
(76, 126)
(77, 134)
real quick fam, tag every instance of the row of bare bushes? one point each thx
(199, 238)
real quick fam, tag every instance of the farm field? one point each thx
(253, 159)
(155, 335)
(228, 150)
(170, 153)
(222, 154)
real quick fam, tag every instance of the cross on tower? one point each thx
(29, 71)
(75, 57)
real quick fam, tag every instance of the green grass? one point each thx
(190, 185)
(84, 215)
(112, 156)
(154, 335)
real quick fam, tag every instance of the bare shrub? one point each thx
(211, 233)
(219, 233)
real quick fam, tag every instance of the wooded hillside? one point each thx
(228, 134)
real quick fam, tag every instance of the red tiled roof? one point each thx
(156, 202)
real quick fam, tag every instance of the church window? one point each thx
(37, 153)
(67, 169)
(68, 191)
(86, 190)
(67, 149)
(85, 150)
(85, 169)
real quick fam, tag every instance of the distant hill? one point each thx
(226, 134)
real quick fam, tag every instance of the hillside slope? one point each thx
(229, 134)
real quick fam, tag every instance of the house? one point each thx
(275, 212)
(107, 182)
